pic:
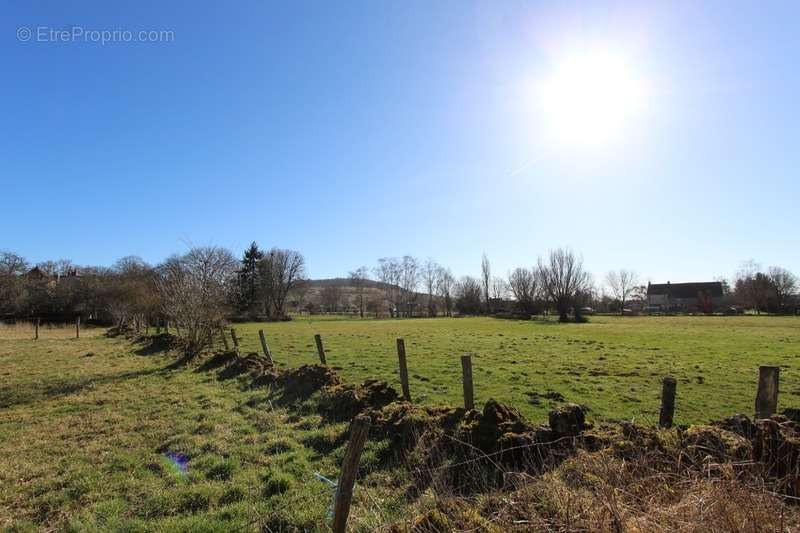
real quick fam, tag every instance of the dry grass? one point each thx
(22, 330)
(613, 490)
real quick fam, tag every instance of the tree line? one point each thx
(415, 288)
(199, 291)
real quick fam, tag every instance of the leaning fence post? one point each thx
(265, 347)
(466, 370)
(401, 355)
(36, 334)
(320, 349)
(344, 488)
(667, 402)
(767, 396)
(78, 327)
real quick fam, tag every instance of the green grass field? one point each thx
(613, 365)
(85, 423)
(84, 438)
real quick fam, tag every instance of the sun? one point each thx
(590, 99)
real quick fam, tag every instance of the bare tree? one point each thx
(444, 288)
(280, 272)
(12, 264)
(524, 286)
(784, 284)
(430, 277)
(563, 280)
(622, 283)
(389, 273)
(197, 291)
(499, 288)
(59, 267)
(358, 279)
(409, 280)
(133, 296)
(746, 288)
(486, 274)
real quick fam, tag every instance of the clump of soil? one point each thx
(406, 424)
(300, 383)
(555, 396)
(569, 419)
(485, 429)
(343, 401)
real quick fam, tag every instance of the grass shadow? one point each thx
(11, 397)
(155, 344)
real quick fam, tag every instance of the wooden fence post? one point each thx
(235, 341)
(320, 349)
(344, 488)
(265, 347)
(224, 339)
(466, 370)
(36, 335)
(667, 402)
(767, 396)
(78, 327)
(401, 355)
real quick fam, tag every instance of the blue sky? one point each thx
(356, 130)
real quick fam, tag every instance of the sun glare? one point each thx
(591, 99)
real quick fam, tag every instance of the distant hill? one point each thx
(345, 282)
(341, 294)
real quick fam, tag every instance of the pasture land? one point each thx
(613, 365)
(87, 427)
(94, 431)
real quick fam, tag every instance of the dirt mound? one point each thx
(343, 401)
(485, 429)
(568, 419)
(300, 383)
(406, 424)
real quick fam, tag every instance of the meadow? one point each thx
(98, 434)
(612, 365)
(104, 433)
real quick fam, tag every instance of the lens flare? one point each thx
(178, 462)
